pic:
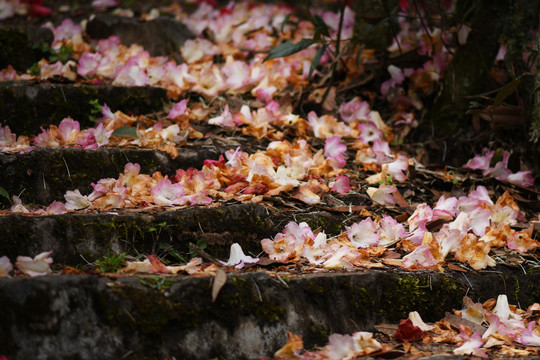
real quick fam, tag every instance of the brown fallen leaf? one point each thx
(292, 349)
(456, 267)
(219, 281)
(455, 320)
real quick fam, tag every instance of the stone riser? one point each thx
(89, 317)
(45, 174)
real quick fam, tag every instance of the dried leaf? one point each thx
(455, 320)
(292, 348)
(219, 281)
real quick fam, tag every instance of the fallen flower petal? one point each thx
(237, 257)
(407, 331)
(471, 346)
(5, 266)
(38, 266)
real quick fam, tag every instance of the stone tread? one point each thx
(45, 174)
(109, 317)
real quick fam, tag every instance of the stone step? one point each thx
(26, 106)
(75, 238)
(45, 174)
(156, 317)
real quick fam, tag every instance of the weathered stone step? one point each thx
(152, 317)
(76, 238)
(45, 174)
(27, 106)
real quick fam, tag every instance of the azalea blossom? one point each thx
(237, 257)
(38, 266)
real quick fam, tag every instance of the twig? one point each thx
(203, 254)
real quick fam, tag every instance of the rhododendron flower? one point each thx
(224, 119)
(474, 252)
(76, 201)
(497, 332)
(333, 147)
(100, 135)
(38, 266)
(301, 232)
(479, 220)
(282, 248)
(88, 63)
(396, 77)
(480, 162)
(341, 185)
(131, 75)
(417, 321)
(66, 30)
(340, 347)
(178, 109)
(316, 251)
(7, 10)
(18, 205)
(195, 50)
(390, 231)
(305, 193)
(363, 234)
(339, 259)
(528, 337)
(5, 266)
(521, 178)
(420, 258)
(354, 110)
(522, 242)
(383, 194)
(473, 311)
(448, 240)
(421, 216)
(69, 130)
(102, 5)
(7, 138)
(237, 257)
(397, 168)
(369, 133)
(445, 208)
(167, 194)
(472, 345)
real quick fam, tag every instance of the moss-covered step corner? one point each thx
(27, 106)
(45, 174)
(156, 317)
(76, 238)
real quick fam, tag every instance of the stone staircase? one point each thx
(80, 313)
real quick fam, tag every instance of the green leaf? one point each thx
(4, 193)
(285, 21)
(288, 48)
(125, 131)
(317, 59)
(320, 26)
(506, 91)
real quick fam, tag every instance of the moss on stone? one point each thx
(429, 294)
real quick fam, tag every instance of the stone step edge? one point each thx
(75, 238)
(155, 316)
(45, 174)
